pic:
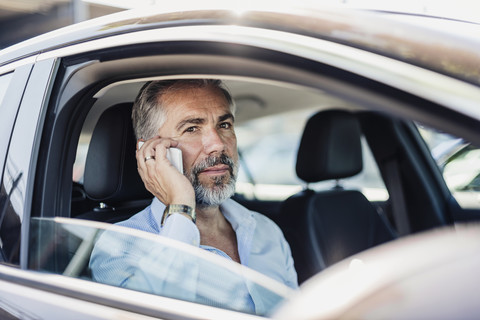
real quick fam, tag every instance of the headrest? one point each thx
(330, 147)
(111, 167)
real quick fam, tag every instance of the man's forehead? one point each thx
(200, 102)
(177, 95)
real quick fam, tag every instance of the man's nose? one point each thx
(213, 141)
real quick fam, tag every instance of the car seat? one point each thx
(111, 178)
(325, 227)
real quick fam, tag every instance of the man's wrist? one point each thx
(178, 208)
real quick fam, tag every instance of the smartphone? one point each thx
(174, 155)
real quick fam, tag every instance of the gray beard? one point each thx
(223, 187)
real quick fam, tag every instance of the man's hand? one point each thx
(160, 177)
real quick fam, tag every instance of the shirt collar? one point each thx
(243, 223)
(236, 214)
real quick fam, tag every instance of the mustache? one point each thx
(212, 161)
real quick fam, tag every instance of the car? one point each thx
(338, 110)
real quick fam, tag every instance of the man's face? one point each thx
(200, 120)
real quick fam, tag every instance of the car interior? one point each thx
(322, 227)
(324, 217)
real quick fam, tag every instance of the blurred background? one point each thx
(23, 19)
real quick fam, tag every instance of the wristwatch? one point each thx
(178, 208)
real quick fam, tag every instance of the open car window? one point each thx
(151, 264)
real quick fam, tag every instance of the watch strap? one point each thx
(178, 208)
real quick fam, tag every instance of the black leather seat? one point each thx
(326, 227)
(111, 176)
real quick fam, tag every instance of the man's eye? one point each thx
(225, 125)
(191, 129)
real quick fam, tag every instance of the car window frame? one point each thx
(24, 147)
(10, 105)
(9, 109)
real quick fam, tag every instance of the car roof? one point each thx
(442, 45)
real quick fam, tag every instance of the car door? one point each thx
(33, 200)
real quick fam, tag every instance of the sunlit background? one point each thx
(23, 19)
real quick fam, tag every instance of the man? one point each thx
(197, 117)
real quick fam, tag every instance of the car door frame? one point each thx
(20, 72)
(23, 149)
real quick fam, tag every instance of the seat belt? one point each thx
(399, 209)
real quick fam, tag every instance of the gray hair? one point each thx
(149, 115)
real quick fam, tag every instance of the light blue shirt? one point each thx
(261, 247)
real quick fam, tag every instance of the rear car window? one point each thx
(459, 162)
(268, 148)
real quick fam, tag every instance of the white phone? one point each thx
(174, 155)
